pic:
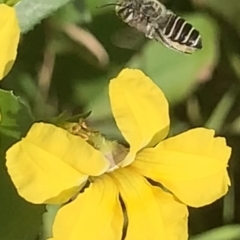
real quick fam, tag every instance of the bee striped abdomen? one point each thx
(180, 31)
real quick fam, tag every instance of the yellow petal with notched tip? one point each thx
(192, 165)
(50, 165)
(9, 38)
(174, 215)
(144, 215)
(94, 214)
(140, 110)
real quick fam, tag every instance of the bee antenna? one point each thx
(108, 4)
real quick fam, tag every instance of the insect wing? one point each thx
(128, 38)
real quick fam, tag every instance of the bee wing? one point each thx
(128, 38)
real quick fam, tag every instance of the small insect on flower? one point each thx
(157, 22)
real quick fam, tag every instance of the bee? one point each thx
(157, 22)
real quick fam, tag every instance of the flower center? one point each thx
(113, 151)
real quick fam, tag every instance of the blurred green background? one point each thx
(65, 63)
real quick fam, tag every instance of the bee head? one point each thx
(130, 4)
(126, 9)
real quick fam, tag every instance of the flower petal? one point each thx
(192, 165)
(144, 214)
(174, 215)
(94, 214)
(50, 165)
(9, 38)
(140, 110)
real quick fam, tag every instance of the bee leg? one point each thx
(150, 32)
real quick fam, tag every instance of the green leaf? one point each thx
(15, 119)
(230, 12)
(48, 219)
(221, 111)
(18, 219)
(32, 12)
(228, 232)
(177, 73)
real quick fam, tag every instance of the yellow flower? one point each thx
(50, 165)
(9, 38)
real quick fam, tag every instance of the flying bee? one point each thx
(157, 22)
